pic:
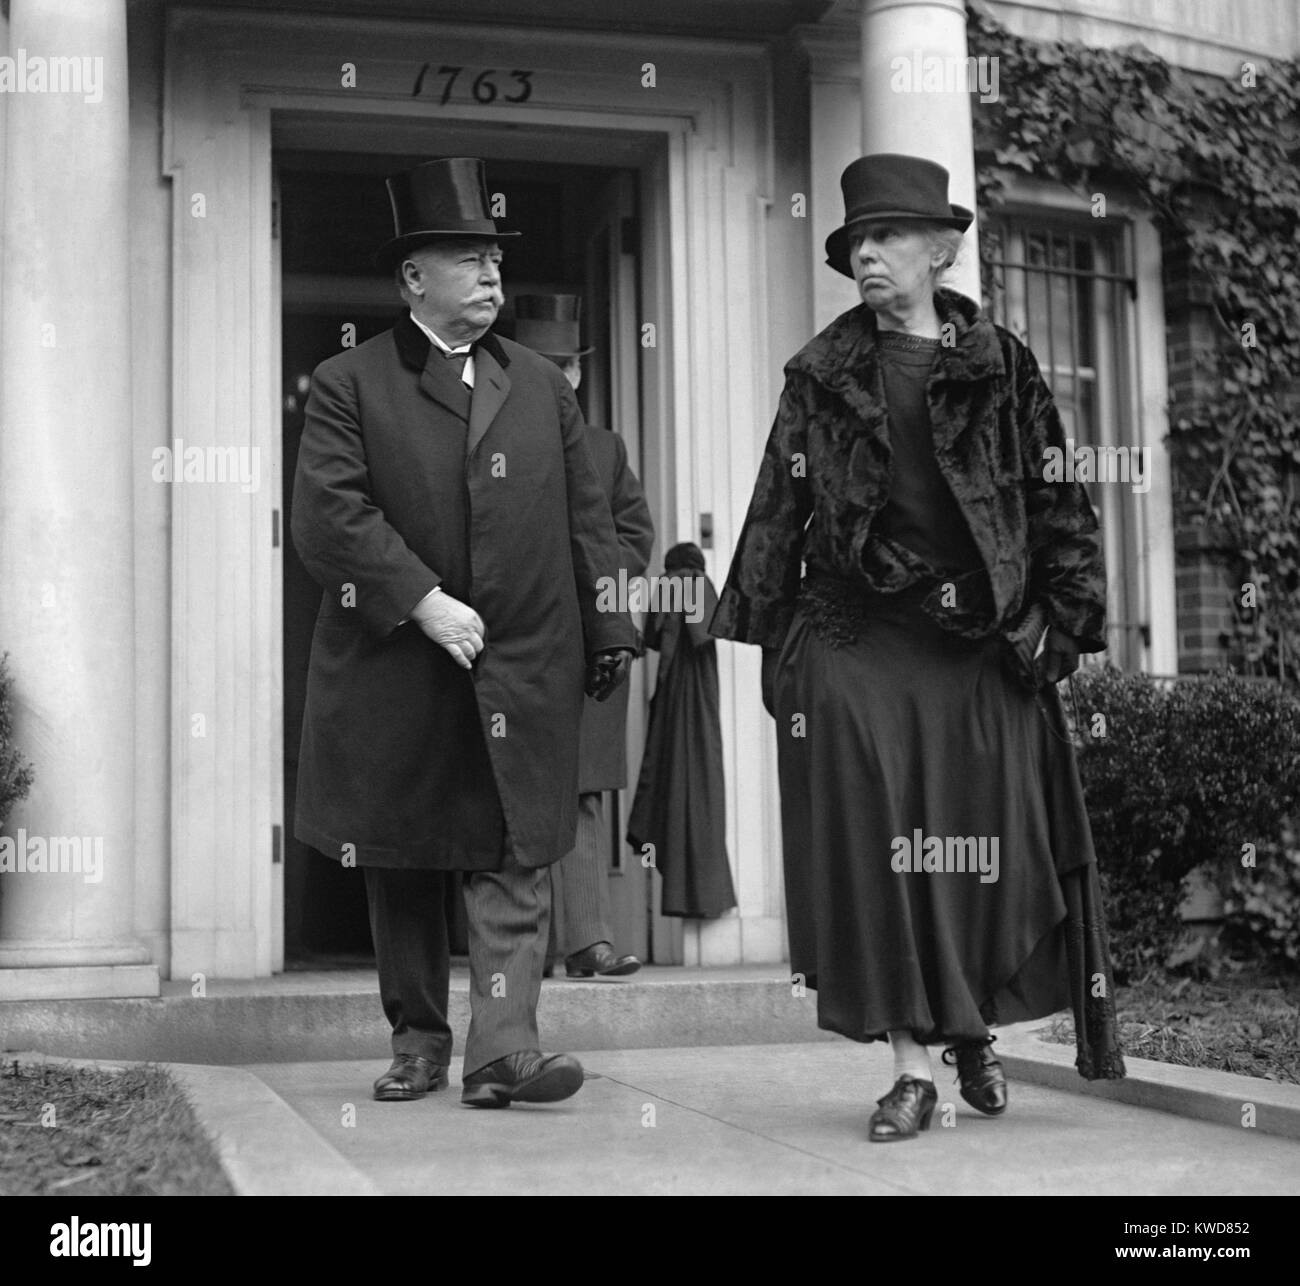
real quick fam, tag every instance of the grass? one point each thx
(86, 1131)
(1246, 1022)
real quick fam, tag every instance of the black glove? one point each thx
(1059, 657)
(770, 657)
(1022, 641)
(606, 669)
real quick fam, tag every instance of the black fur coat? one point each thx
(828, 460)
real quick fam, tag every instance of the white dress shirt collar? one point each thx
(467, 375)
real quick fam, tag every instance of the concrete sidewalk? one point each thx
(702, 1081)
(776, 1119)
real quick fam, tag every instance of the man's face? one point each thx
(456, 287)
(892, 262)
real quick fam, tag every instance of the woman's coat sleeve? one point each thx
(758, 598)
(1066, 569)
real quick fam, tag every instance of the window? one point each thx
(1065, 289)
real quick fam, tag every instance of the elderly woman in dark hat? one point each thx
(918, 587)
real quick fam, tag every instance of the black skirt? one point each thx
(939, 869)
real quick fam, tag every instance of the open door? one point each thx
(332, 212)
(612, 384)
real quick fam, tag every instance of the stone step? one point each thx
(298, 1017)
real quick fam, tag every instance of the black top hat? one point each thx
(886, 185)
(446, 197)
(548, 324)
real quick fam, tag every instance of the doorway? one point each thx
(582, 236)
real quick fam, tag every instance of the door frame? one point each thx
(233, 83)
(635, 920)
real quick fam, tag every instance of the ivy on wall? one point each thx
(1215, 159)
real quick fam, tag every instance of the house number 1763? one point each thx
(484, 87)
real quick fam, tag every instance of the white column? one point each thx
(834, 141)
(4, 101)
(66, 581)
(908, 45)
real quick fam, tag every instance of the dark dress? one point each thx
(939, 867)
(680, 805)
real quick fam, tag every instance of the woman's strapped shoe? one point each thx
(906, 1109)
(983, 1085)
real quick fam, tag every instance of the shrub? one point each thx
(1262, 912)
(15, 771)
(1184, 774)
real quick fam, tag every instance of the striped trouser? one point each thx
(580, 883)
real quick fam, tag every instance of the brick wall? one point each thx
(1206, 581)
(1205, 592)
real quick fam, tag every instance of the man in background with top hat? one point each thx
(580, 920)
(446, 503)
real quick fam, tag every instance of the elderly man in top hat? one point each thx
(446, 502)
(580, 923)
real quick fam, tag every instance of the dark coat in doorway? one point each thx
(681, 796)
(407, 759)
(602, 764)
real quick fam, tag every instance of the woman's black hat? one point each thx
(445, 197)
(887, 185)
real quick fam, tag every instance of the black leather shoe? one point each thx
(600, 958)
(410, 1077)
(526, 1076)
(904, 1111)
(983, 1085)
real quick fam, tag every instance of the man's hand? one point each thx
(606, 669)
(454, 626)
(1059, 657)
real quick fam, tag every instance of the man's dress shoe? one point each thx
(410, 1077)
(527, 1076)
(904, 1111)
(600, 958)
(983, 1084)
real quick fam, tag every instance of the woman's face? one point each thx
(893, 262)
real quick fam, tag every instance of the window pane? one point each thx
(1055, 287)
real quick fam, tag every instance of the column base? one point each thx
(79, 982)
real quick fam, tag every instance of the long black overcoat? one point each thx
(407, 759)
(602, 759)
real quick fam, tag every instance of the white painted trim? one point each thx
(1151, 360)
(1085, 22)
(552, 117)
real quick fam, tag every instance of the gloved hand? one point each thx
(606, 669)
(1059, 657)
(770, 657)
